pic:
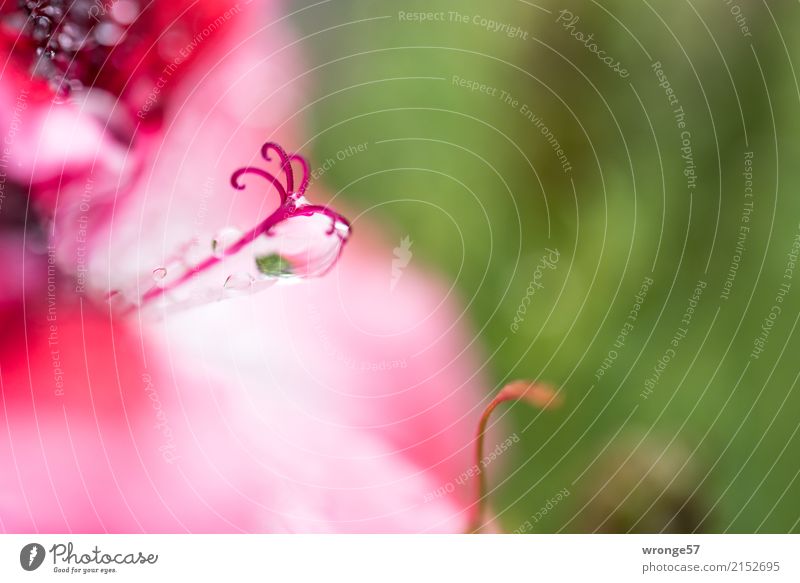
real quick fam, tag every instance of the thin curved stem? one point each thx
(537, 394)
(259, 172)
(286, 164)
(306, 172)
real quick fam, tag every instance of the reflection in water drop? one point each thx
(159, 273)
(273, 265)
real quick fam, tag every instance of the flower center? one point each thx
(69, 41)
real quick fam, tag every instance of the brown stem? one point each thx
(537, 394)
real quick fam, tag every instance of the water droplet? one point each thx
(120, 301)
(224, 239)
(159, 274)
(274, 265)
(239, 282)
(42, 28)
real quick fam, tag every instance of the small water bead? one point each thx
(42, 29)
(239, 282)
(163, 277)
(120, 301)
(223, 240)
(159, 274)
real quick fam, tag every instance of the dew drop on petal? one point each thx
(224, 238)
(239, 282)
(159, 273)
(120, 301)
(311, 244)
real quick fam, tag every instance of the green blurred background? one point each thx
(481, 193)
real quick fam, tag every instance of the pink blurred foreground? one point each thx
(333, 405)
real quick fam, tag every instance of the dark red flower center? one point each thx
(68, 42)
(124, 47)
